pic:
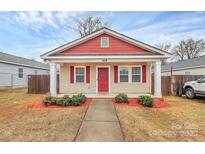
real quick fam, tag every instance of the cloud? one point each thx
(32, 33)
(170, 29)
(40, 20)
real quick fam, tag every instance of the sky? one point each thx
(30, 34)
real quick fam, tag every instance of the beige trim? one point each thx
(107, 57)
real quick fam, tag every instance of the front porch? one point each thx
(90, 87)
(107, 95)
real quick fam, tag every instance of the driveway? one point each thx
(101, 123)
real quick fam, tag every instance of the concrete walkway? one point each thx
(100, 123)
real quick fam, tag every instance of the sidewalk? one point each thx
(100, 123)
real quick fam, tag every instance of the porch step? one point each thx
(102, 94)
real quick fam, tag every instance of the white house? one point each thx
(14, 70)
(195, 66)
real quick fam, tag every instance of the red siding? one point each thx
(115, 74)
(87, 74)
(71, 74)
(144, 74)
(116, 46)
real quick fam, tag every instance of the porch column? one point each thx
(157, 79)
(53, 84)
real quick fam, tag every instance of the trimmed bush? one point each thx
(76, 100)
(146, 101)
(121, 98)
(49, 101)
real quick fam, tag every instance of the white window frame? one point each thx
(139, 66)
(130, 73)
(75, 67)
(101, 42)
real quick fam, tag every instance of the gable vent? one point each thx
(104, 42)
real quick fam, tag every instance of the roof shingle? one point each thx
(195, 62)
(8, 58)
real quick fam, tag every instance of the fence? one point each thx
(165, 83)
(174, 84)
(170, 85)
(179, 80)
(38, 84)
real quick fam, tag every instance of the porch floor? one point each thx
(107, 95)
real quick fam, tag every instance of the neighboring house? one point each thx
(14, 70)
(105, 63)
(195, 66)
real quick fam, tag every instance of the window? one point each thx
(187, 73)
(104, 42)
(136, 74)
(80, 74)
(131, 74)
(20, 72)
(124, 74)
(202, 80)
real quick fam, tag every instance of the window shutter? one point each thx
(144, 74)
(71, 74)
(115, 74)
(87, 74)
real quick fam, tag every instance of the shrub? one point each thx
(64, 101)
(60, 102)
(49, 101)
(121, 98)
(146, 100)
(77, 100)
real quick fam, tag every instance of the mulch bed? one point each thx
(40, 105)
(133, 102)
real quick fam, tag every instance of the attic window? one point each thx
(104, 42)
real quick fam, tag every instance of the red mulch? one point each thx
(133, 102)
(40, 105)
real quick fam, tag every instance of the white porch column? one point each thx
(157, 79)
(53, 77)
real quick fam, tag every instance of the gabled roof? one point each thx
(110, 32)
(15, 60)
(189, 63)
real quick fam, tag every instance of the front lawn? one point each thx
(18, 123)
(183, 121)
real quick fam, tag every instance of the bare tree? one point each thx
(89, 24)
(188, 49)
(164, 47)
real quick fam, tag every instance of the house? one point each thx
(14, 70)
(195, 66)
(105, 63)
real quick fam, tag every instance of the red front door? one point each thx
(103, 81)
